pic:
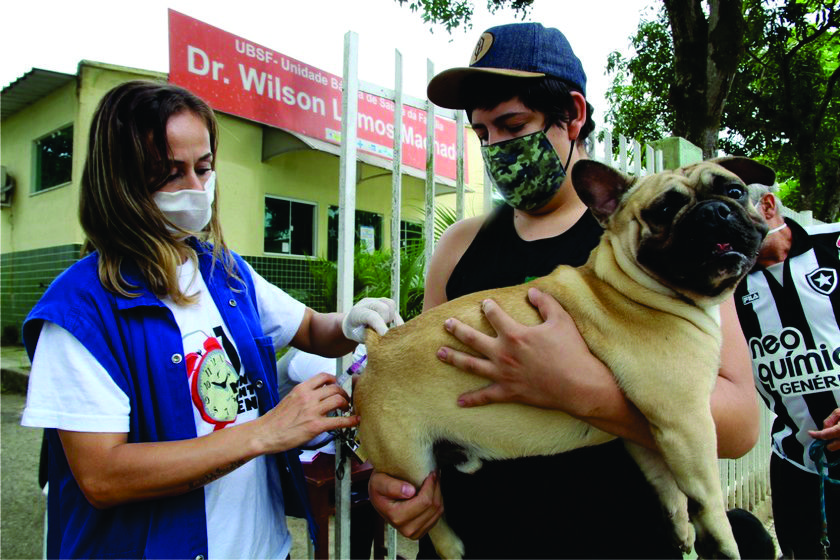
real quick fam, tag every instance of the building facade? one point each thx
(278, 197)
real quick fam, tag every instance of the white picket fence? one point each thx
(633, 157)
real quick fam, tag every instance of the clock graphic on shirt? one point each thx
(214, 384)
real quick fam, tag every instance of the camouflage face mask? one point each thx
(526, 170)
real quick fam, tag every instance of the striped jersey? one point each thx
(789, 313)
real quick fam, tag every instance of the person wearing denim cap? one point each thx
(524, 93)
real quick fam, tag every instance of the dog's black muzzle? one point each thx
(710, 248)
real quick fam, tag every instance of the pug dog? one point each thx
(675, 245)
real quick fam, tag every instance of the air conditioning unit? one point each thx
(7, 187)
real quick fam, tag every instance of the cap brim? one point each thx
(447, 89)
(748, 170)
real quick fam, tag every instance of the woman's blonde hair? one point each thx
(128, 159)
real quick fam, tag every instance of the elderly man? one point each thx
(789, 308)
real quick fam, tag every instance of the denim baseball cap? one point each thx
(524, 50)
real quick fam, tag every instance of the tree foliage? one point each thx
(786, 100)
(782, 105)
(458, 13)
(635, 109)
(707, 38)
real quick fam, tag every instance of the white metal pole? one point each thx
(429, 226)
(346, 239)
(637, 158)
(650, 159)
(459, 165)
(396, 180)
(608, 156)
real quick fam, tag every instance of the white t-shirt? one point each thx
(245, 517)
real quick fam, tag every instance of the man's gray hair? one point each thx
(757, 190)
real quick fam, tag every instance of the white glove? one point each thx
(375, 313)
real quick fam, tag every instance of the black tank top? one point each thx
(587, 503)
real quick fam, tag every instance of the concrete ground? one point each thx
(22, 504)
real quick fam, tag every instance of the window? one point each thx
(368, 231)
(54, 159)
(289, 227)
(410, 233)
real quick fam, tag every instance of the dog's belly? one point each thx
(400, 436)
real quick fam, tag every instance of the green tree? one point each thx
(635, 109)
(782, 106)
(457, 13)
(707, 39)
(786, 101)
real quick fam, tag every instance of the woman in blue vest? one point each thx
(153, 357)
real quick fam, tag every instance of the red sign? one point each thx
(245, 79)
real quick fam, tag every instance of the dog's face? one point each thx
(693, 229)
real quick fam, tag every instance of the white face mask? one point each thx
(188, 209)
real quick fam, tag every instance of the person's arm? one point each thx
(110, 471)
(413, 511)
(320, 333)
(336, 334)
(449, 250)
(522, 364)
(735, 406)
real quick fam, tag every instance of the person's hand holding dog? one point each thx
(412, 512)
(521, 362)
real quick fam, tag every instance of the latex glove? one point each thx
(375, 313)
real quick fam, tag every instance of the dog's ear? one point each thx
(748, 170)
(600, 187)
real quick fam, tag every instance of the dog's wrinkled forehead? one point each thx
(696, 181)
(684, 187)
(706, 178)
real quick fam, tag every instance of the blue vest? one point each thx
(139, 344)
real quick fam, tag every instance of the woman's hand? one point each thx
(374, 313)
(303, 414)
(110, 471)
(830, 432)
(412, 512)
(336, 334)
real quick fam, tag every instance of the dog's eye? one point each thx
(735, 191)
(663, 210)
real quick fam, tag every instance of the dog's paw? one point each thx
(447, 544)
(685, 540)
(471, 465)
(708, 547)
(683, 529)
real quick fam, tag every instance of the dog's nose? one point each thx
(714, 209)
